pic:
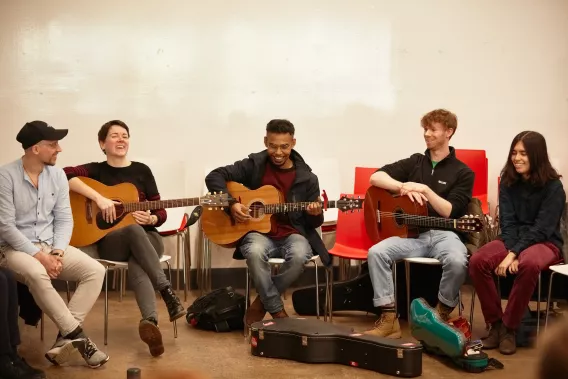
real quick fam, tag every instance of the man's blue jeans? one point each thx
(258, 248)
(443, 245)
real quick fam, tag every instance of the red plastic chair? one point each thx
(362, 176)
(477, 161)
(351, 242)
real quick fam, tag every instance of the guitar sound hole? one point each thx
(256, 210)
(103, 225)
(399, 217)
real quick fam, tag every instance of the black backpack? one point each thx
(221, 310)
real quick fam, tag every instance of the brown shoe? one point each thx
(151, 335)
(444, 311)
(255, 312)
(281, 314)
(508, 341)
(387, 326)
(494, 337)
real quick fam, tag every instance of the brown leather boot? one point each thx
(255, 312)
(508, 341)
(494, 337)
(281, 314)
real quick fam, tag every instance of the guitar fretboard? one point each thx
(425, 221)
(159, 204)
(293, 207)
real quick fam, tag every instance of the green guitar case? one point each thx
(450, 339)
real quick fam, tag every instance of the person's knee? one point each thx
(456, 263)
(134, 231)
(255, 253)
(529, 267)
(379, 253)
(301, 251)
(98, 271)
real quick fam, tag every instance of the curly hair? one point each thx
(442, 116)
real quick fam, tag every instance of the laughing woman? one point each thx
(140, 244)
(531, 202)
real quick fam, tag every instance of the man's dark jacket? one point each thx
(250, 171)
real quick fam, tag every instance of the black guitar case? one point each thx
(315, 341)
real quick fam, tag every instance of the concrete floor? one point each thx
(226, 355)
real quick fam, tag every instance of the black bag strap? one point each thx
(222, 326)
(494, 363)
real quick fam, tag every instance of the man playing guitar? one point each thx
(445, 184)
(293, 236)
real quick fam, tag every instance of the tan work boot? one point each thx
(255, 312)
(444, 311)
(387, 326)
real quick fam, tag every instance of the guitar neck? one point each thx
(293, 207)
(159, 204)
(429, 222)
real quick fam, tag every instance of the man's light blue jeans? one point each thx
(258, 248)
(443, 245)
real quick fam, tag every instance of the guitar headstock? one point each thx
(345, 203)
(214, 200)
(469, 223)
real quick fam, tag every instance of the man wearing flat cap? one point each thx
(35, 229)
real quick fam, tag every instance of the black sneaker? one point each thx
(21, 363)
(8, 370)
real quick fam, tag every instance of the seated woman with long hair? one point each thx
(139, 244)
(531, 202)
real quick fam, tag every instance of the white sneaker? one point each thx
(92, 355)
(63, 350)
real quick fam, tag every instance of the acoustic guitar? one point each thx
(89, 224)
(221, 229)
(387, 215)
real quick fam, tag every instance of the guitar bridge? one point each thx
(89, 210)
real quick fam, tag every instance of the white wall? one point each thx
(197, 81)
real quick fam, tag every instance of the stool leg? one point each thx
(170, 277)
(459, 303)
(106, 306)
(548, 300)
(42, 326)
(538, 308)
(317, 291)
(178, 261)
(68, 292)
(407, 273)
(247, 300)
(471, 308)
(330, 303)
(393, 269)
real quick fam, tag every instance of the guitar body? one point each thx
(381, 227)
(89, 227)
(220, 228)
